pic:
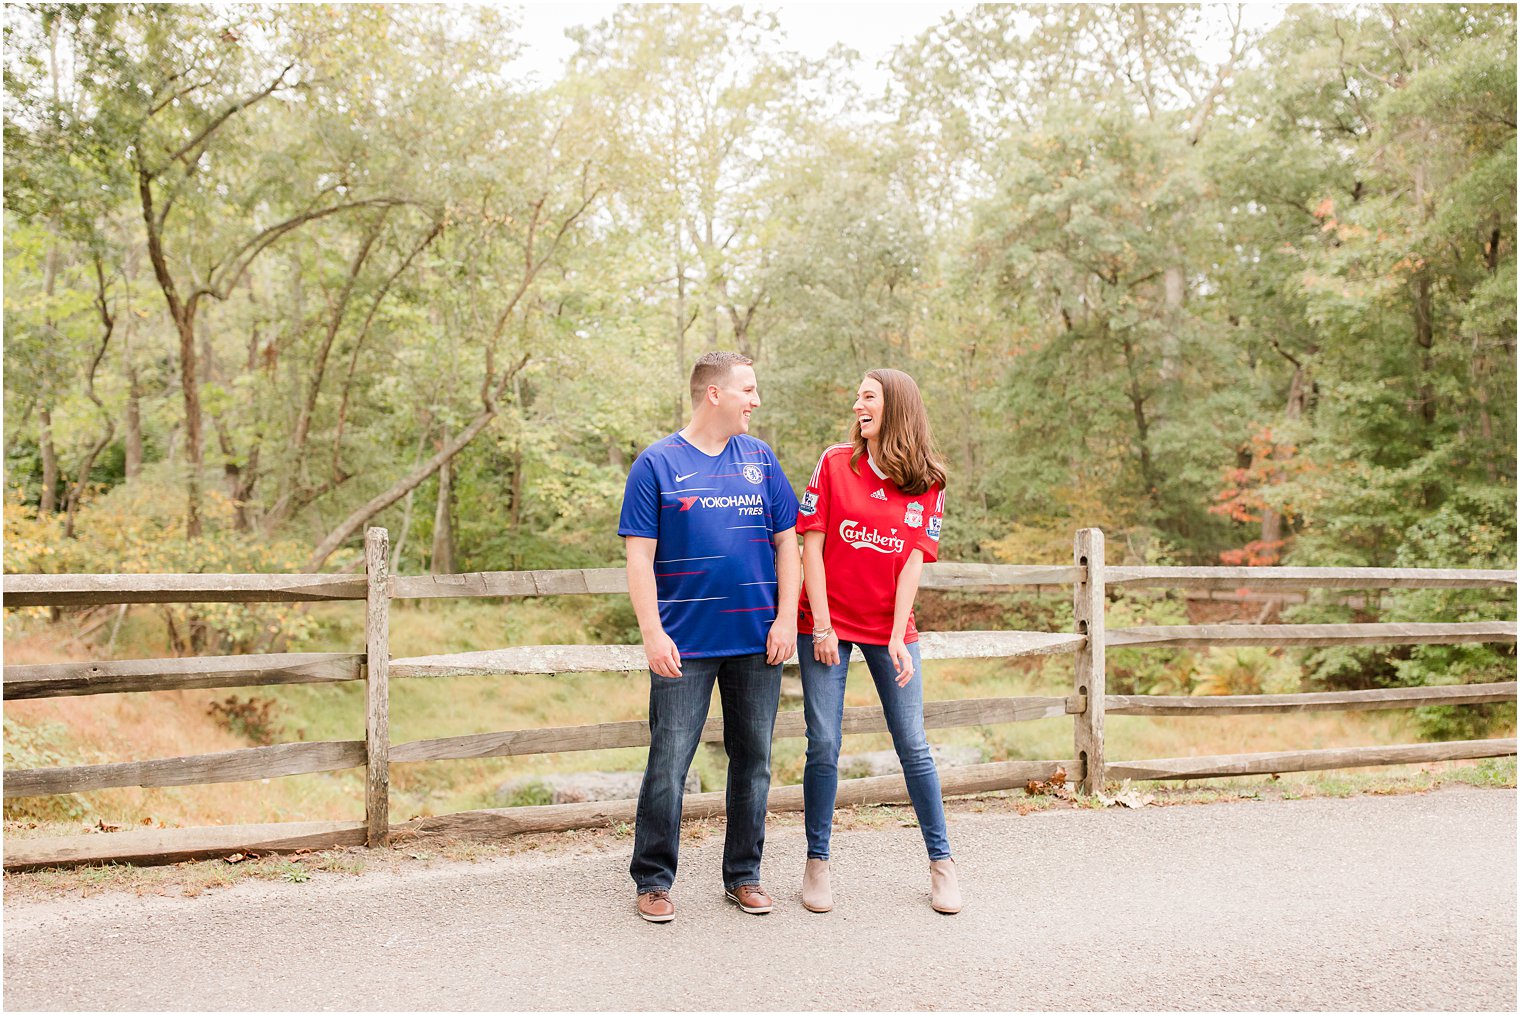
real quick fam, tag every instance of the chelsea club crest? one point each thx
(754, 474)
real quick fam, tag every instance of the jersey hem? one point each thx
(724, 654)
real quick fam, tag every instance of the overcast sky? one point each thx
(870, 28)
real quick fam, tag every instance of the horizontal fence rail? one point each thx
(243, 765)
(1089, 578)
(1310, 701)
(1205, 635)
(1272, 762)
(1303, 579)
(100, 589)
(97, 589)
(59, 679)
(309, 757)
(174, 845)
(543, 659)
(305, 758)
(610, 580)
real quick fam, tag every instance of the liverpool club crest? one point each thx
(913, 518)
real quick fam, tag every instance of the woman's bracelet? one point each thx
(819, 634)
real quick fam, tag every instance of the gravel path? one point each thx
(1404, 902)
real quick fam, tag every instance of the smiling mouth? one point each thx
(863, 420)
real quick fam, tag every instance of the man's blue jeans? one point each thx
(750, 689)
(823, 703)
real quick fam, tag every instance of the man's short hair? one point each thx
(714, 368)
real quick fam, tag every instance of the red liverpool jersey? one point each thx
(869, 527)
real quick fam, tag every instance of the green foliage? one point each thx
(44, 745)
(1149, 671)
(134, 530)
(531, 794)
(1249, 670)
(1256, 307)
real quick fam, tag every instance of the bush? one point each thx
(1149, 670)
(1473, 528)
(255, 719)
(533, 794)
(136, 529)
(41, 746)
(1250, 670)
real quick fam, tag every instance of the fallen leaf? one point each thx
(105, 826)
(236, 858)
(1126, 797)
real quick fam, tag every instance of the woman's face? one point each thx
(868, 408)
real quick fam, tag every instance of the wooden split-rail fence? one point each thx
(1088, 704)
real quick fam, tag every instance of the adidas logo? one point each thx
(879, 495)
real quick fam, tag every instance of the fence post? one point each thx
(377, 667)
(1090, 667)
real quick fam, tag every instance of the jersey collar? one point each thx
(872, 463)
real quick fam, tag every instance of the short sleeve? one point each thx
(641, 501)
(929, 541)
(783, 501)
(813, 512)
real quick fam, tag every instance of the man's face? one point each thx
(738, 396)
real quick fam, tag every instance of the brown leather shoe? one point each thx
(656, 907)
(750, 898)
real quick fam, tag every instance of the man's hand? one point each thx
(664, 658)
(902, 659)
(781, 642)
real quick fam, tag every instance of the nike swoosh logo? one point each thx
(682, 479)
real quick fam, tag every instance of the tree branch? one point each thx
(226, 114)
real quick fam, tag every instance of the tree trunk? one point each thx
(241, 479)
(1175, 295)
(355, 521)
(108, 326)
(1424, 336)
(183, 316)
(133, 437)
(443, 528)
(49, 464)
(1142, 423)
(45, 436)
(683, 369)
(330, 335)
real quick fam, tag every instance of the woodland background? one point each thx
(276, 273)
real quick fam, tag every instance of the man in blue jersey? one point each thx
(713, 571)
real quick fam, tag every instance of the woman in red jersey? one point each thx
(870, 519)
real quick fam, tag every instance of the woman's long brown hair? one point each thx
(905, 445)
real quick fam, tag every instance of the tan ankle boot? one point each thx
(944, 891)
(817, 896)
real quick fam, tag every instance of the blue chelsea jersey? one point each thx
(715, 517)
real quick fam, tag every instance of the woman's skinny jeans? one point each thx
(823, 703)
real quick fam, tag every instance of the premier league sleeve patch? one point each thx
(809, 505)
(933, 530)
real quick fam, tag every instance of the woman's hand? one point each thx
(826, 650)
(902, 659)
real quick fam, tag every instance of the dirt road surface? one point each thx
(1403, 902)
